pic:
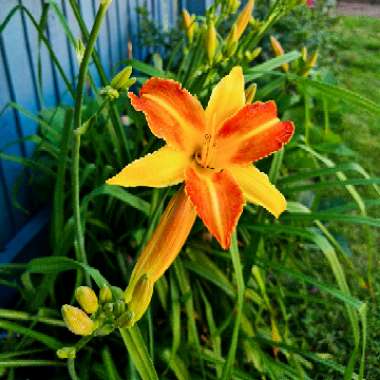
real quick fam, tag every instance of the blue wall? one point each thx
(20, 52)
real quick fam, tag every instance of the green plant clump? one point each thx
(287, 300)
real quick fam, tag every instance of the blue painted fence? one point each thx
(21, 52)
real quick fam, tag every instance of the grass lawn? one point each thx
(356, 57)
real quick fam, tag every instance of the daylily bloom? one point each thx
(210, 150)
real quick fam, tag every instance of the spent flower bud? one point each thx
(77, 321)
(87, 299)
(79, 50)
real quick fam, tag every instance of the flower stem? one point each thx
(235, 255)
(79, 237)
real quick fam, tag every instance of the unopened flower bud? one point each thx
(142, 293)
(122, 80)
(250, 93)
(211, 41)
(87, 299)
(104, 330)
(232, 41)
(109, 92)
(189, 24)
(119, 307)
(233, 5)
(108, 308)
(126, 319)
(79, 50)
(105, 294)
(278, 51)
(310, 63)
(304, 53)
(77, 321)
(251, 55)
(66, 353)
(244, 17)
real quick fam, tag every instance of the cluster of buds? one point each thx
(96, 316)
(119, 83)
(303, 66)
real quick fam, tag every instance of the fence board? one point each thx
(22, 82)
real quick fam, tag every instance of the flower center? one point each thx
(204, 156)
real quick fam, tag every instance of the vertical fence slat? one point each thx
(20, 52)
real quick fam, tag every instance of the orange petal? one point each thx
(172, 113)
(164, 167)
(253, 133)
(227, 98)
(217, 199)
(257, 189)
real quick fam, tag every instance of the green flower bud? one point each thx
(105, 294)
(77, 321)
(87, 299)
(104, 330)
(250, 93)
(66, 353)
(108, 308)
(126, 319)
(119, 307)
(211, 41)
(122, 81)
(109, 92)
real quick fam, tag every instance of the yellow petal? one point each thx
(257, 189)
(226, 99)
(164, 167)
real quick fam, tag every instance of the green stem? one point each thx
(138, 352)
(103, 78)
(235, 255)
(71, 369)
(80, 246)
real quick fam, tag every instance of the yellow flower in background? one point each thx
(189, 24)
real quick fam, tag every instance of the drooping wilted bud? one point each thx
(189, 24)
(66, 353)
(244, 17)
(105, 294)
(77, 321)
(141, 296)
(122, 80)
(87, 299)
(211, 41)
(250, 93)
(278, 51)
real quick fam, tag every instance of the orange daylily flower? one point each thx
(210, 150)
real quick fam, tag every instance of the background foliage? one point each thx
(290, 299)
